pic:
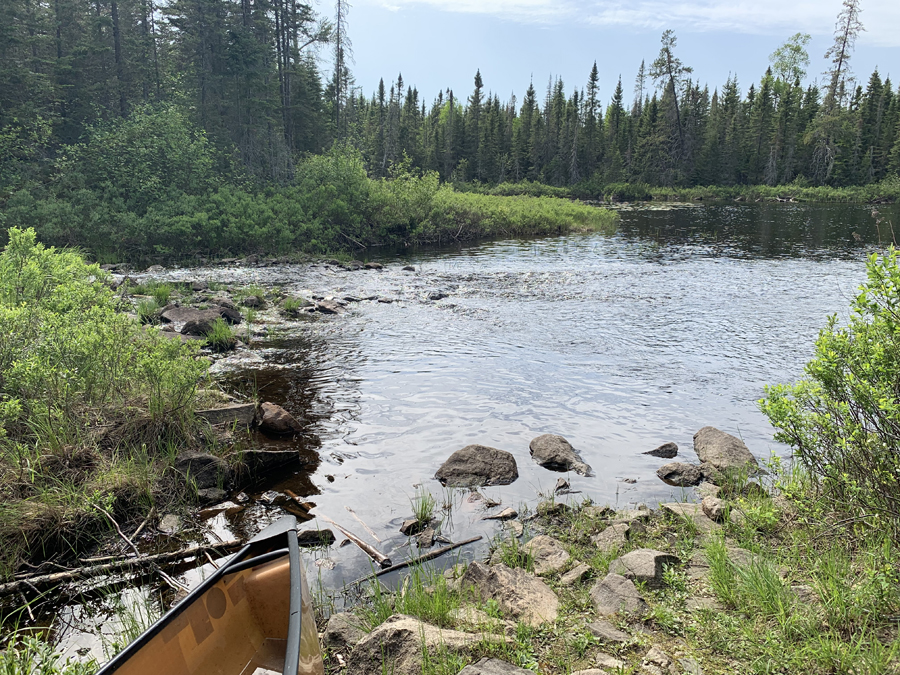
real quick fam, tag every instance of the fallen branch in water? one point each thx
(415, 561)
(369, 550)
(96, 570)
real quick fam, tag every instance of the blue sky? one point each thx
(440, 43)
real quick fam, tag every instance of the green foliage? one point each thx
(220, 337)
(29, 655)
(72, 368)
(459, 216)
(423, 505)
(840, 418)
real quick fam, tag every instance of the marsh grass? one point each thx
(423, 505)
(424, 594)
(221, 337)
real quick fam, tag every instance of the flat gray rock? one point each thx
(645, 565)
(519, 594)
(488, 666)
(614, 593)
(478, 465)
(549, 555)
(237, 413)
(343, 631)
(398, 643)
(574, 575)
(557, 454)
(606, 632)
(722, 450)
(613, 538)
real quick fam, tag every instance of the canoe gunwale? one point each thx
(285, 527)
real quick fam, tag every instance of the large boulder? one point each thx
(478, 465)
(548, 554)
(680, 474)
(277, 420)
(614, 593)
(557, 454)
(721, 450)
(519, 594)
(644, 564)
(205, 470)
(396, 646)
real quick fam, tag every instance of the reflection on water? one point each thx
(617, 343)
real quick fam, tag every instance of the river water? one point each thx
(619, 343)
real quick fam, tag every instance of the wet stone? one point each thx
(426, 538)
(313, 538)
(680, 474)
(664, 451)
(169, 524)
(506, 514)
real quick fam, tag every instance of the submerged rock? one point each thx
(722, 450)
(476, 466)
(557, 454)
(235, 413)
(277, 420)
(664, 451)
(312, 538)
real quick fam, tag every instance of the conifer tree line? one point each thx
(246, 73)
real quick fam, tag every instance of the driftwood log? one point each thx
(425, 557)
(117, 566)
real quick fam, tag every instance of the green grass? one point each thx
(221, 337)
(423, 504)
(291, 306)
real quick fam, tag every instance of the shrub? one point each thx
(842, 419)
(87, 398)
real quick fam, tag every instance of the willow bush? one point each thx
(843, 418)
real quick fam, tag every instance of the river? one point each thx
(619, 343)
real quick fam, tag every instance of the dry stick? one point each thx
(415, 561)
(119, 530)
(144, 524)
(370, 551)
(96, 570)
(368, 529)
(26, 605)
(165, 577)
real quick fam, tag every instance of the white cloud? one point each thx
(530, 11)
(767, 17)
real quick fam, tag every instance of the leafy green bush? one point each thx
(843, 418)
(87, 397)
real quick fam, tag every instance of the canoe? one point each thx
(252, 616)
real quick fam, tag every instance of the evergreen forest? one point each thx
(135, 127)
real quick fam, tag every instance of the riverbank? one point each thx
(886, 191)
(760, 577)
